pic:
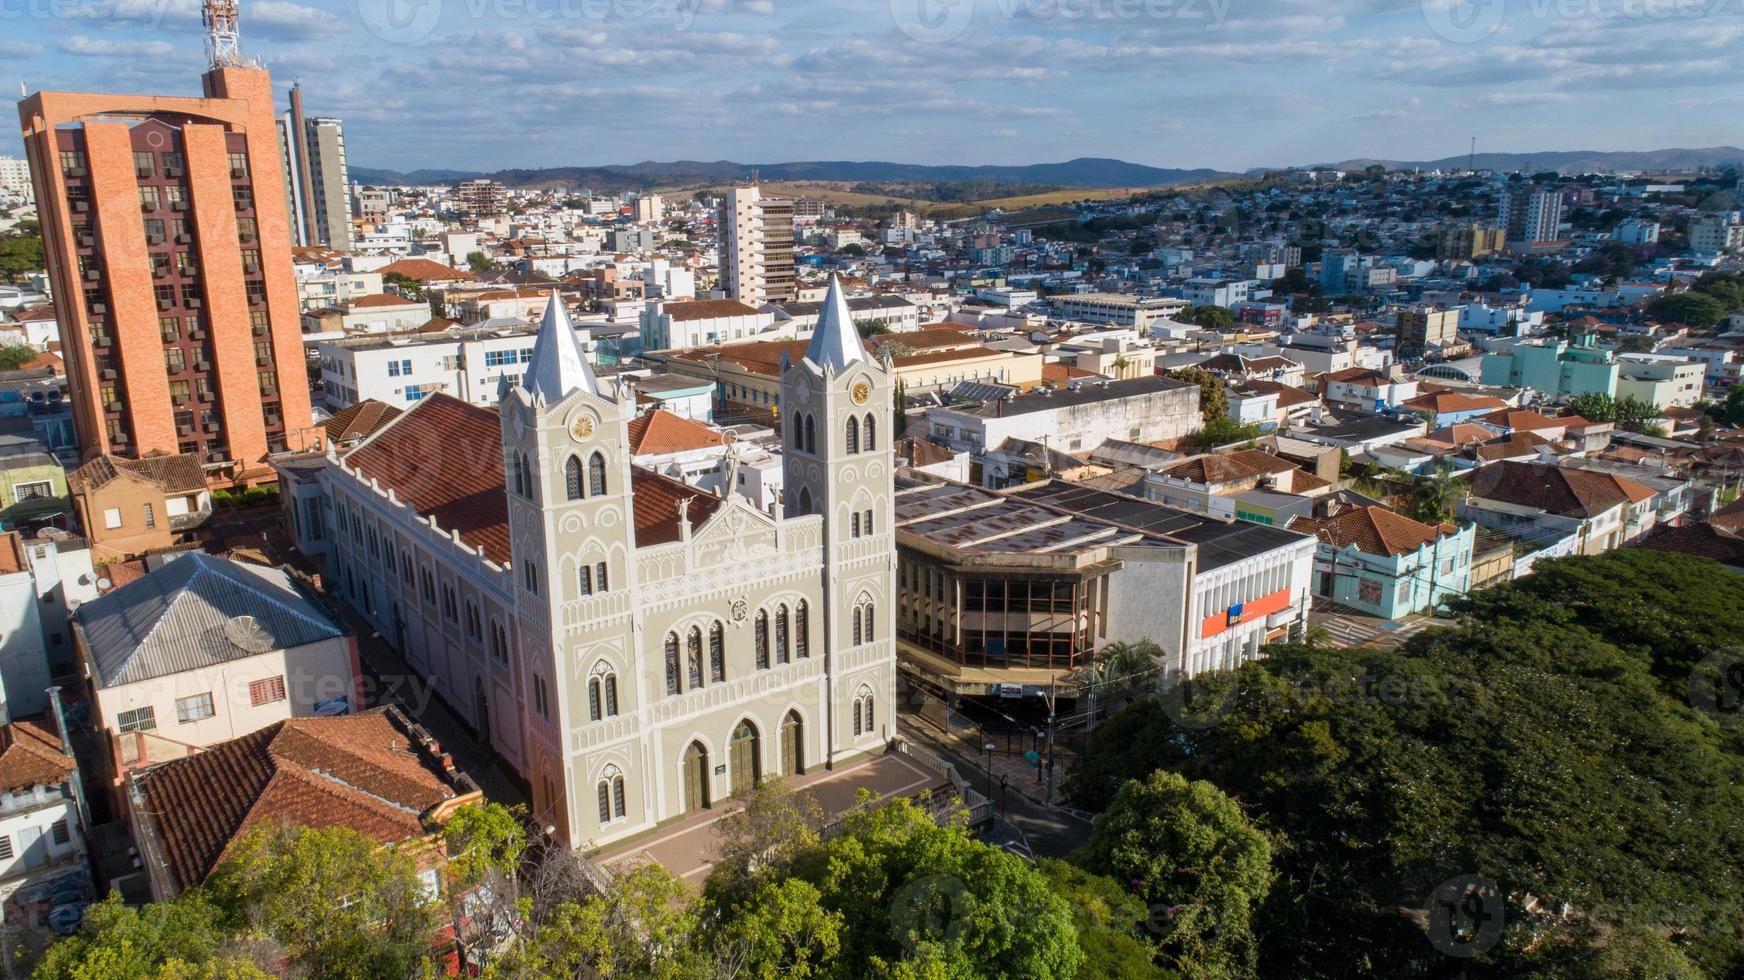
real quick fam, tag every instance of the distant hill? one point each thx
(1571, 161)
(1085, 172)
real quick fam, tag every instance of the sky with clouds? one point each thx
(1232, 84)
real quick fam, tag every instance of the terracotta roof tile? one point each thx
(1556, 489)
(31, 755)
(366, 772)
(1372, 530)
(359, 421)
(1523, 418)
(376, 300)
(440, 460)
(708, 309)
(1702, 540)
(425, 270)
(661, 431)
(1445, 402)
(172, 473)
(431, 458)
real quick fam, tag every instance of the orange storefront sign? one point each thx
(1263, 606)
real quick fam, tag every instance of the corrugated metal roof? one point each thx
(174, 619)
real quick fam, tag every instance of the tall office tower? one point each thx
(756, 247)
(1529, 215)
(313, 158)
(168, 244)
(15, 176)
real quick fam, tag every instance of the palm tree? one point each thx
(1436, 495)
(1118, 670)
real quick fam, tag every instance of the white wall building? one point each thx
(469, 363)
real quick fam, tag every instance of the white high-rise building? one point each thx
(756, 247)
(15, 176)
(317, 184)
(1530, 215)
(1716, 234)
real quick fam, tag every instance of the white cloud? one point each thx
(100, 47)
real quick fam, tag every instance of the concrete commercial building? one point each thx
(756, 246)
(893, 313)
(1117, 309)
(469, 363)
(1553, 368)
(369, 314)
(1147, 409)
(316, 181)
(1661, 380)
(701, 323)
(15, 177)
(167, 239)
(1019, 589)
(634, 648)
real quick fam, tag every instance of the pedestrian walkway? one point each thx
(1353, 628)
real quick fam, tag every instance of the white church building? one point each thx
(636, 648)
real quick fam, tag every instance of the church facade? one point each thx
(636, 648)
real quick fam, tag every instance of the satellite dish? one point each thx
(103, 584)
(247, 633)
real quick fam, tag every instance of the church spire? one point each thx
(559, 365)
(835, 343)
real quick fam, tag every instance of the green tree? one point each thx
(1433, 499)
(1213, 399)
(479, 262)
(1186, 846)
(182, 938)
(1223, 431)
(644, 926)
(907, 888)
(21, 251)
(405, 285)
(1210, 317)
(338, 903)
(1379, 775)
(15, 356)
(1731, 410)
(854, 248)
(1113, 923)
(1698, 309)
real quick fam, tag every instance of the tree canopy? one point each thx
(1547, 743)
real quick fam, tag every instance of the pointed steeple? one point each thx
(834, 342)
(559, 365)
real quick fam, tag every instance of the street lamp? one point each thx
(989, 747)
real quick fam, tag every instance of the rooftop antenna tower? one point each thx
(220, 18)
(1471, 157)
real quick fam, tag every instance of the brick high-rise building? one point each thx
(168, 246)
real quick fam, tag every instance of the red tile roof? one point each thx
(661, 431)
(382, 299)
(1289, 396)
(1701, 540)
(1373, 530)
(1445, 402)
(30, 755)
(440, 457)
(656, 503)
(359, 420)
(1556, 489)
(425, 270)
(367, 772)
(1524, 418)
(708, 309)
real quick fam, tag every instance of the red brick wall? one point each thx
(132, 312)
(214, 217)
